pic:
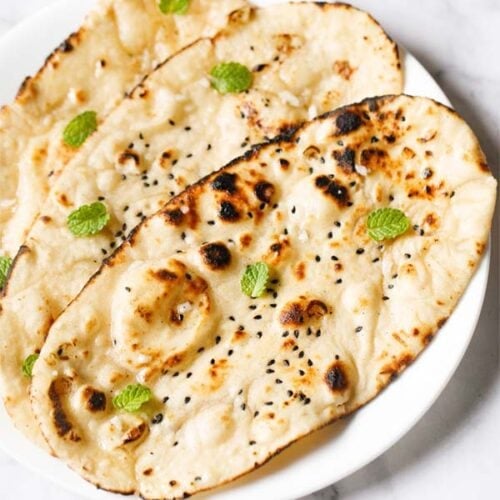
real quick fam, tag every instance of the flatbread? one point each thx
(237, 379)
(173, 130)
(120, 42)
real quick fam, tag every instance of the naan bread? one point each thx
(173, 130)
(119, 43)
(237, 379)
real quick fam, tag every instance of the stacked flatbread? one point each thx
(174, 129)
(230, 380)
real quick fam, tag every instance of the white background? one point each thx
(454, 452)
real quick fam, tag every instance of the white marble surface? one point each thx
(454, 451)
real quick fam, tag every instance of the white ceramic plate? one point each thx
(339, 449)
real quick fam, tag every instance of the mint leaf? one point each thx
(387, 223)
(5, 263)
(28, 365)
(88, 219)
(230, 77)
(254, 280)
(174, 6)
(132, 397)
(79, 128)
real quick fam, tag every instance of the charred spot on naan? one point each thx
(336, 377)
(225, 182)
(345, 159)
(303, 311)
(95, 400)
(347, 122)
(216, 256)
(333, 189)
(59, 389)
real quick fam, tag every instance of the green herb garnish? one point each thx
(254, 279)
(174, 6)
(79, 128)
(132, 397)
(230, 77)
(387, 223)
(28, 365)
(88, 219)
(5, 263)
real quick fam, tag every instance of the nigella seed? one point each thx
(385, 297)
(286, 362)
(318, 333)
(165, 399)
(307, 401)
(271, 362)
(187, 399)
(390, 287)
(211, 223)
(339, 281)
(408, 256)
(212, 361)
(176, 443)
(302, 373)
(268, 403)
(252, 307)
(176, 374)
(376, 259)
(256, 414)
(309, 362)
(251, 443)
(217, 339)
(201, 349)
(232, 318)
(337, 223)
(269, 370)
(334, 258)
(360, 251)
(257, 317)
(301, 354)
(285, 334)
(317, 258)
(358, 329)
(296, 334)
(290, 393)
(243, 406)
(230, 352)
(259, 334)
(279, 381)
(330, 235)
(295, 348)
(188, 375)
